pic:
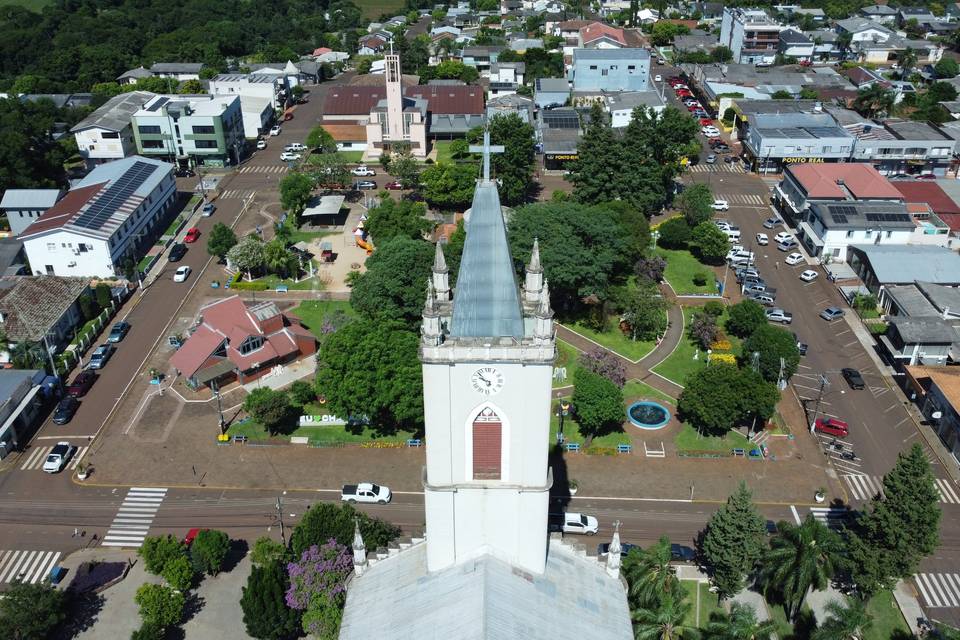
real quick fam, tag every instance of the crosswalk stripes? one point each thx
(864, 487)
(273, 168)
(238, 194)
(136, 514)
(947, 492)
(939, 589)
(26, 565)
(718, 168)
(37, 456)
(833, 517)
(741, 198)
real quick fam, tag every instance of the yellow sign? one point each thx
(551, 156)
(803, 160)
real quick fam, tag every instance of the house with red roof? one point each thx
(236, 341)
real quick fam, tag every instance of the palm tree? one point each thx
(874, 100)
(740, 624)
(665, 622)
(277, 258)
(800, 558)
(843, 42)
(27, 355)
(848, 622)
(649, 574)
(908, 60)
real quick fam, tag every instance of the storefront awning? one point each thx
(809, 233)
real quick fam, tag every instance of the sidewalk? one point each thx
(285, 375)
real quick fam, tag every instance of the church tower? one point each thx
(487, 368)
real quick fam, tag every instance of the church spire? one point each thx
(359, 550)
(544, 316)
(613, 553)
(441, 275)
(533, 279)
(534, 265)
(431, 329)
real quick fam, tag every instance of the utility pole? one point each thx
(216, 392)
(816, 410)
(283, 537)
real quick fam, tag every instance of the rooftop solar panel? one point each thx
(116, 194)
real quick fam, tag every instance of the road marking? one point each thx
(27, 565)
(134, 517)
(796, 516)
(38, 456)
(277, 168)
(237, 194)
(833, 517)
(946, 491)
(939, 589)
(851, 343)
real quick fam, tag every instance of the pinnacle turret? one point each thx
(534, 265)
(359, 550)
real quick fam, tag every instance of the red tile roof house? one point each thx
(237, 341)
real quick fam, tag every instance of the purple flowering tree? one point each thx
(317, 587)
(603, 363)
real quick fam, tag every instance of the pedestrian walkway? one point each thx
(237, 194)
(26, 565)
(37, 455)
(719, 167)
(939, 589)
(865, 487)
(742, 198)
(833, 517)
(273, 168)
(134, 517)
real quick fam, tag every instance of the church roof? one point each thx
(487, 302)
(486, 599)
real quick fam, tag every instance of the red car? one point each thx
(193, 234)
(832, 427)
(706, 122)
(82, 383)
(191, 534)
(394, 186)
(694, 107)
(683, 92)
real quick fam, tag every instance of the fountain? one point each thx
(648, 415)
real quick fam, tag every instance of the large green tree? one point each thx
(326, 521)
(650, 575)
(394, 284)
(582, 249)
(31, 611)
(220, 240)
(319, 139)
(720, 396)
(733, 542)
(696, 204)
(272, 409)
(669, 620)
(295, 191)
(266, 615)
(711, 244)
(160, 605)
(247, 255)
(598, 403)
(597, 172)
(29, 156)
(369, 370)
(745, 317)
(773, 345)
(514, 167)
(801, 557)
(157, 551)
(644, 310)
(209, 551)
(739, 624)
(846, 621)
(394, 218)
(449, 185)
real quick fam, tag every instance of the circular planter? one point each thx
(819, 497)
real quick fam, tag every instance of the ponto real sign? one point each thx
(801, 160)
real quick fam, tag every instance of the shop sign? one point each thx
(562, 157)
(801, 160)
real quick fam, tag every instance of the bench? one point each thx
(739, 452)
(281, 288)
(240, 439)
(572, 446)
(414, 442)
(624, 448)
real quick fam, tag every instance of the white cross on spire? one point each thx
(486, 150)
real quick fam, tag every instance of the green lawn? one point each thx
(689, 440)
(680, 364)
(309, 284)
(373, 9)
(317, 434)
(350, 157)
(142, 265)
(635, 390)
(566, 358)
(571, 431)
(615, 341)
(704, 603)
(312, 312)
(682, 266)
(443, 152)
(172, 229)
(887, 618)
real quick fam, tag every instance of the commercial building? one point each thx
(883, 265)
(179, 71)
(937, 392)
(201, 130)
(21, 401)
(774, 141)
(41, 309)
(107, 133)
(106, 222)
(610, 70)
(750, 34)
(551, 92)
(22, 206)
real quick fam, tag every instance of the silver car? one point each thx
(779, 315)
(831, 313)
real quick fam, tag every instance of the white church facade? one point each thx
(488, 568)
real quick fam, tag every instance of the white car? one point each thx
(58, 457)
(794, 258)
(658, 78)
(579, 523)
(367, 492)
(181, 274)
(762, 239)
(710, 132)
(809, 275)
(294, 146)
(275, 131)
(261, 144)
(721, 205)
(783, 236)
(363, 171)
(779, 315)
(290, 156)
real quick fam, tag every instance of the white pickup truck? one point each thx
(365, 492)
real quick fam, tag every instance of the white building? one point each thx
(397, 119)
(110, 217)
(254, 85)
(750, 34)
(107, 133)
(205, 129)
(488, 568)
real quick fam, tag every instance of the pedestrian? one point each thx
(76, 532)
(777, 264)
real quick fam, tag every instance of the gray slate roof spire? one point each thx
(534, 266)
(430, 304)
(439, 262)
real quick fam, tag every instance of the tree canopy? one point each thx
(773, 344)
(720, 396)
(394, 284)
(332, 521)
(31, 611)
(598, 403)
(394, 218)
(696, 204)
(733, 542)
(266, 615)
(514, 167)
(449, 185)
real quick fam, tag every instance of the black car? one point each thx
(682, 553)
(65, 410)
(801, 346)
(183, 172)
(177, 252)
(853, 378)
(118, 332)
(625, 548)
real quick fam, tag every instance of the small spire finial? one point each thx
(430, 304)
(534, 266)
(439, 261)
(359, 549)
(613, 553)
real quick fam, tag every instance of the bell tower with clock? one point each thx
(487, 359)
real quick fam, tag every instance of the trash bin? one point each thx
(56, 574)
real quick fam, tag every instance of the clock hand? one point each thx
(485, 380)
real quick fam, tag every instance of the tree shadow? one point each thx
(193, 606)
(804, 626)
(83, 611)
(238, 549)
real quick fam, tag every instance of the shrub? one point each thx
(209, 551)
(249, 286)
(714, 308)
(674, 233)
(700, 278)
(723, 358)
(157, 551)
(302, 393)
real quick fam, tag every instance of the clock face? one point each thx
(487, 380)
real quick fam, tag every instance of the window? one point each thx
(631, 67)
(487, 444)
(203, 129)
(850, 233)
(51, 246)
(152, 144)
(205, 144)
(110, 134)
(869, 233)
(149, 129)
(593, 67)
(889, 233)
(250, 345)
(605, 72)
